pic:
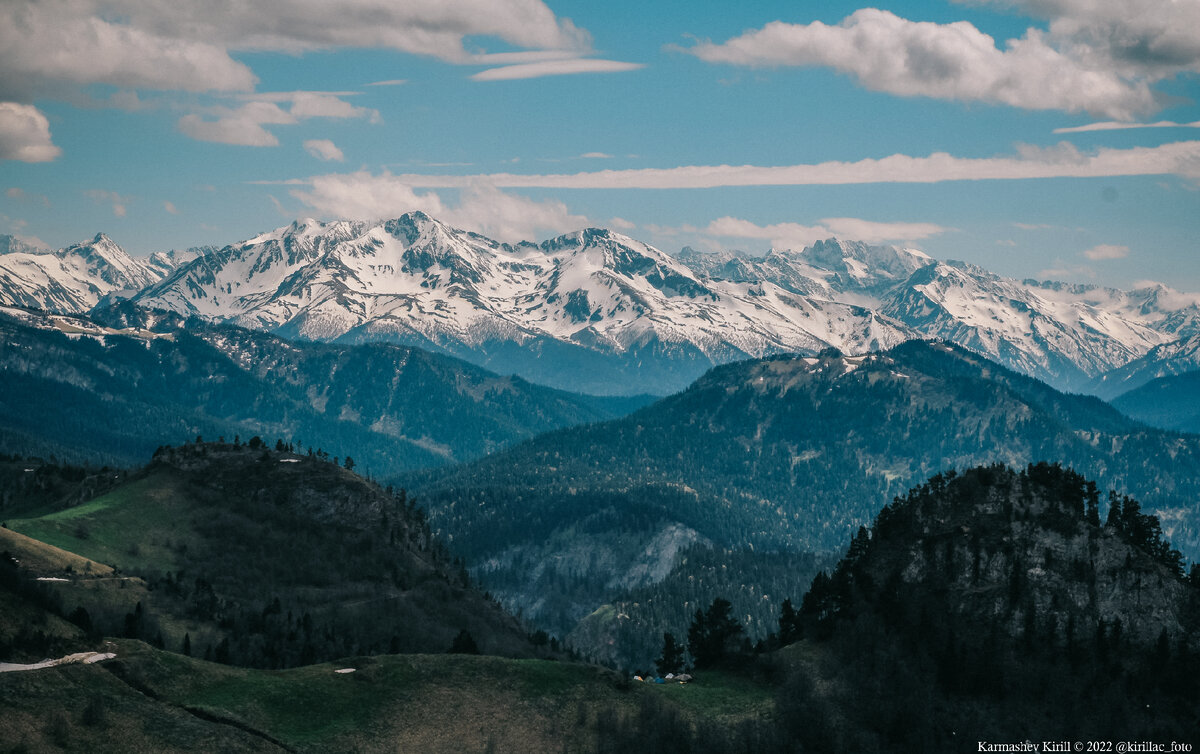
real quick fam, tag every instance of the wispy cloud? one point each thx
(796, 235)
(1062, 161)
(324, 149)
(389, 82)
(1111, 125)
(560, 67)
(117, 201)
(1105, 251)
(170, 208)
(21, 195)
(244, 125)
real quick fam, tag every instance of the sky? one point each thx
(1049, 139)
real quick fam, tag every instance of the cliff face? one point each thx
(993, 551)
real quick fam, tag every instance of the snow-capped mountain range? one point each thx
(600, 312)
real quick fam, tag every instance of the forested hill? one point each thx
(797, 452)
(111, 394)
(997, 603)
(255, 555)
(784, 453)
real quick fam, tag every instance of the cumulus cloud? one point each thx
(168, 45)
(1155, 39)
(1096, 57)
(324, 149)
(481, 207)
(554, 68)
(25, 134)
(1106, 251)
(1065, 161)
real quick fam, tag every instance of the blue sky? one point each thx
(1009, 133)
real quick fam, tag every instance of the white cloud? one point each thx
(79, 42)
(1067, 272)
(118, 202)
(1152, 39)
(170, 208)
(554, 68)
(389, 82)
(169, 45)
(878, 232)
(364, 196)
(236, 128)
(25, 134)
(595, 156)
(511, 218)
(1118, 126)
(1106, 251)
(620, 223)
(325, 105)
(795, 235)
(324, 149)
(1059, 70)
(1178, 158)
(1168, 297)
(481, 207)
(244, 125)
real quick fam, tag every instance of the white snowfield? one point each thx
(419, 281)
(80, 658)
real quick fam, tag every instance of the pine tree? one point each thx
(715, 635)
(671, 660)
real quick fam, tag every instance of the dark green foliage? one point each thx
(782, 455)
(464, 644)
(671, 660)
(715, 636)
(277, 562)
(921, 651)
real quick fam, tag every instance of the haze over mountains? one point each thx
(596, 311)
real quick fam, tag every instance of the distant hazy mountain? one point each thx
(1171, 402)
(785, 453)
(1169, 359)
(88, 391)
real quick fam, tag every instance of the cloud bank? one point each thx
(1096, 57)
(1061, 161)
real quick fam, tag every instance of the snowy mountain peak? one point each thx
(598, 303)
(17, 245)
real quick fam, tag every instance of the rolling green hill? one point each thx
(261, 557)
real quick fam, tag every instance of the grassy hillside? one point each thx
(150, 700)
(256, 556)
